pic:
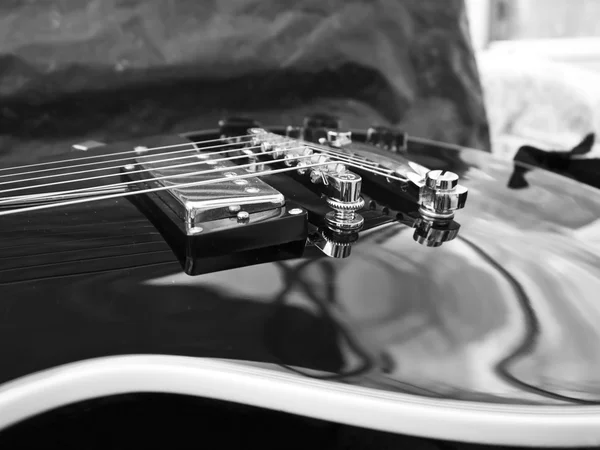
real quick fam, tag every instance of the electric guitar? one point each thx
(359, 277)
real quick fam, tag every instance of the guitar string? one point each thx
(206, 155)
(193, 149)
(341, 153)
(120, 153)
(203, 155)
(75, 192)
(158, 189)
(122, 184)
(69, 181)
(116, 186)
(195, 155)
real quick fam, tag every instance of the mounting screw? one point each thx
(230, 174)
(140, 149)
(234, 209)
(241, 182)
(129, 167)
(243, 216)
(295, 211)
(252, 190)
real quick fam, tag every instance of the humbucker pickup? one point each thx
(212, 210)
(203, 202)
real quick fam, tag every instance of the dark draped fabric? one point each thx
(114, 69)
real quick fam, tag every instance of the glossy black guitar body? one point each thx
(491, 337)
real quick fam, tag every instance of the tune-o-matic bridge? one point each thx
(340, 187)
(436, 192)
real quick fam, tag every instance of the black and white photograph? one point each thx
(309, 224)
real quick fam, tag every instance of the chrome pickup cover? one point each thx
(203, 203)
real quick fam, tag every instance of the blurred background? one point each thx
(489, 74)
(109, 70)
(539, 62)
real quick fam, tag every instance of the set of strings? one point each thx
(43, 177)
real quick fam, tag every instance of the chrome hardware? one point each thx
(344, 217)
(433, 233)
(347, 186)
(334, 245)
(194, 207)
(441, 179)
(345, 200)
(341, 188)
(295, 211)
(252, 159)
(324, 129)
(440, 195)
(339, 139)
(243, 216)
